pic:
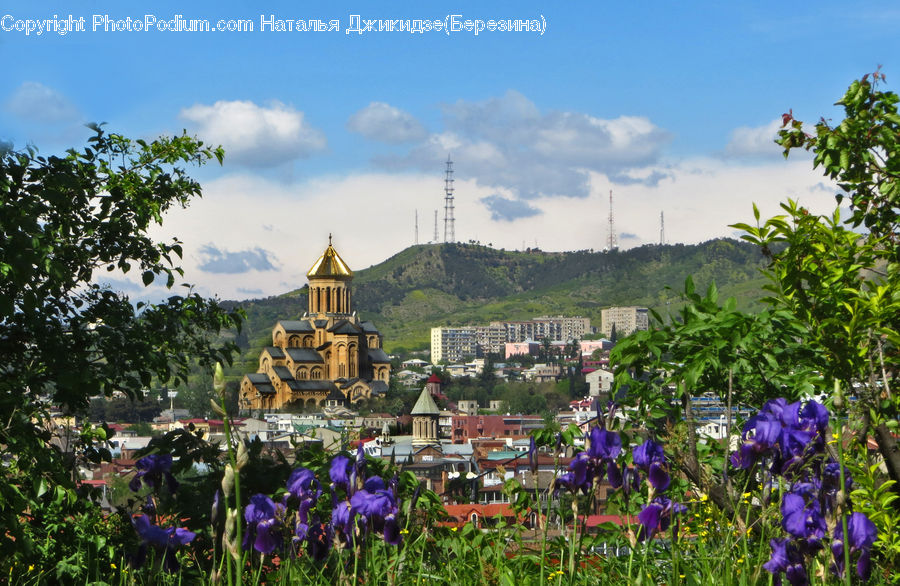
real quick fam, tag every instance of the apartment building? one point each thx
(453, 344)
(626, 319)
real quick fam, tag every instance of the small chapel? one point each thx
(328, 357)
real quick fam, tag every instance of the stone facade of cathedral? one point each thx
(328, 357)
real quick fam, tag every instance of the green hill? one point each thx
(454, 284)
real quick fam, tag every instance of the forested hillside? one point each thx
(453, 284)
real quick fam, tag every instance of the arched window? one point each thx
(351, 358)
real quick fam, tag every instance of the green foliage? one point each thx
(65, 338)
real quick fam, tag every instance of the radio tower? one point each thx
(417, 227)
(436, 236)
(662, 229)
(611, 244)
(449, 228)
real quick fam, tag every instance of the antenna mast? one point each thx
(436, 240)
(611, 244)
(417, 227)
(449, 228)
(662, 229)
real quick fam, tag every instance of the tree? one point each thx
(64, 338)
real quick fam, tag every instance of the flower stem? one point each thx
(843, 487)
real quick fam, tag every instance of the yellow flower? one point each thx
(113, 566)
(31, 568)
(454, 529)
(404, 532)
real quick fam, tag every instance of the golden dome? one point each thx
(330, 264)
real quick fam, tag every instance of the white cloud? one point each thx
(256, 136)
(754, 141)
(39, 103)
(385, 123)
(699, 197)
(242, 261)
(508, 143)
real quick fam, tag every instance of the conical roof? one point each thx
(330, 264)
(425, 405)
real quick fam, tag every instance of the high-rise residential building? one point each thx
(626, 319)
(569, 328)
(490, 338)
(453, 344)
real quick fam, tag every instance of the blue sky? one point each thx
(672, 106)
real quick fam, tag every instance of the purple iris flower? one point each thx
(603, 448)
(788, 433)
(567, 481)
(340, 472)
(760, 436)
(340, 517)
(647, 453)
(263, 517)
(377, 510)
(374, 484)
(786, 558)
(862, 534)
(651, 458)
(577, 478)
(303, 486)
(604, 444)
(657, 516)
(152, 470)
(162, 540)
(804, 521)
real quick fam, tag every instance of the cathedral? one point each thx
(326, 358)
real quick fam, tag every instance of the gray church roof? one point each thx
(344, 327)
(296, 325)
(258, 378)
(274, 351)
(310, 385)
(378, 355)
(368, 327)
(283, 372)
(303, 355)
